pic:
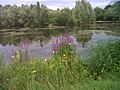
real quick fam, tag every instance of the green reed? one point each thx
(65, 71)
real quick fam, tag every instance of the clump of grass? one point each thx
(63, 71)
(52, 74)
(105, 57)
(1, 66)
(1, 63)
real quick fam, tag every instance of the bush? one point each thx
(105, 57)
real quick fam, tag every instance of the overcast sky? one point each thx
(54, 4)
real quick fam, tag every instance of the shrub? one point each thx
(105, 57)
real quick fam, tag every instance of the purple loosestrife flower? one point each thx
(71, 40)
(53, 40)
(57, 42)
(24, 44)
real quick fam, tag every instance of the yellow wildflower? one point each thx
(17, 54)
(64, 55)
(32, 62)
(34, 71)
(52, 66)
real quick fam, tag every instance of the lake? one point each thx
(38, 42)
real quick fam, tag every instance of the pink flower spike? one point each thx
(53, 39)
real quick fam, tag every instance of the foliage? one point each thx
(62, 17)
(99, 13)
(37, 74)
(65, 18)
(64, 71)
(23, 16)
(116, 8)
(109, 13)
(105, 58)
(83, 12)
(40, 16)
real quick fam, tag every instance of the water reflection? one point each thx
(25, 43)
(83, 37)
(60, 40)
(39, 42)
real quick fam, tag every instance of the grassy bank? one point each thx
(66, 71)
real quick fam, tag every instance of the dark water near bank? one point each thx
(38, 42)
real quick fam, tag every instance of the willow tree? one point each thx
(83, 12)
(64, 18)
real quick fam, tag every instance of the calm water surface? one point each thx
(38, 42)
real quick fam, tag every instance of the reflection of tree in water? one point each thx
(9, 40)
(25, 44)
(42, 36)
(85, 27)
(112, 33)
(56, 32)
(41, 42)
(15, 40)
(83, 37)
(63, 39)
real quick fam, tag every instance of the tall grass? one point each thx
(53, 74)
(105, 57)
(63, 71)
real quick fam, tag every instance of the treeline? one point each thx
(40, 16)
(24, 16)
(109, 13)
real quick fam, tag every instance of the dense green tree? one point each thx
(39, 15)
(65, 18)
(23, 16)
(99, 13)
(53, 14)
(44, 15)
(1, 12)
(107, 7)
(10, 16)
(83, 12)
(116, 8)
(109, 13)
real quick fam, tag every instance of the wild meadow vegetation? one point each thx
(65, 70)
